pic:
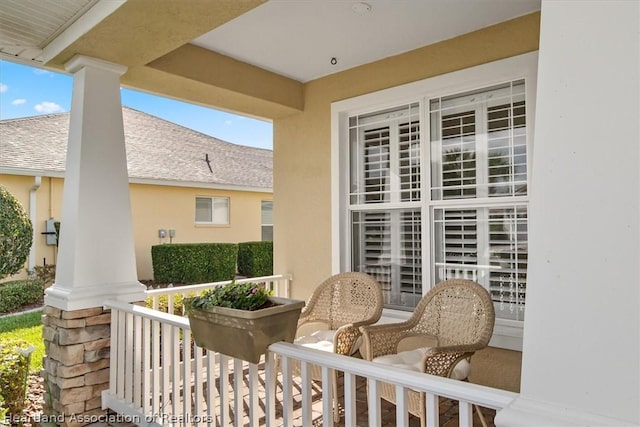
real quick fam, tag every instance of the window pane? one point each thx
(203, 209)
(387, 245)
(266, 212)
(478, 143)
(267, 220)
(267, 233)
(385, 156)
(220, 210)
(487, 245)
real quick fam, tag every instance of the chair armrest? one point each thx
(346, 338)
(441, 360)
(380, 340)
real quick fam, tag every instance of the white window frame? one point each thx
(213, 207)
(507, 333)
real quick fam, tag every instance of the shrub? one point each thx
(18, 293)
(15, 356)
(46, 273)
(189, 263)
(255, 259)
(16, 234)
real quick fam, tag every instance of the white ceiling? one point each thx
(27, 26)
(295, 38)
(298, 38)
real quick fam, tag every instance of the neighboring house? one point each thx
(184, 186)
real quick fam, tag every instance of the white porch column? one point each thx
(581, 356)
(96, 258)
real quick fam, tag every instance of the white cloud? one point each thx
(18, 101)
(228, 122)
(48, 107)
(3, 87)
(40, 71)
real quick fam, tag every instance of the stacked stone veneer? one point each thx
(76, 365)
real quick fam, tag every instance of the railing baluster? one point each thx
(305, 384)
(146, 366)
(373, 398)
(253, 395)
(175, 370)
(238, 391)
(128, 360)
(327, 396)
(287, 395)
(211, 387)
(155, 367)
(270, 389)
(402, 407)
(465, 414)
(223, 393)
(121, 348)
(186, 373)
(137, 361)
(350, 400)
(165, 360)
(433, 411)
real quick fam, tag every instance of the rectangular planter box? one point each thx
(246, 334)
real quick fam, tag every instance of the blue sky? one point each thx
(27, 91)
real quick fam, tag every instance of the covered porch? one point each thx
(583, 204)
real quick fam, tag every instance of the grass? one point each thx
(27, 326)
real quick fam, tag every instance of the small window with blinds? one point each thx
(212, 210)
(266, 220)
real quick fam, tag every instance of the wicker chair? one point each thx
(450, 323)
(332, 317)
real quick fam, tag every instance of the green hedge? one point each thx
(15, 355)
(18, 293)
(189, 263)
(255, 259)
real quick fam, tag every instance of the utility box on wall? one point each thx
(50, 232)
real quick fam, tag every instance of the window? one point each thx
(435, 186)
(212, 210)
(267, 220)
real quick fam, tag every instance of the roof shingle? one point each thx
(156, 150)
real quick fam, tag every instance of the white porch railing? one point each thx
(160, 377)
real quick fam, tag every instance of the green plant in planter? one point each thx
(241, 319)
(241, 296)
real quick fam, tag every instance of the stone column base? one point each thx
(76, 364)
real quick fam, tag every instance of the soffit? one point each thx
(298, 39)
(27, 26)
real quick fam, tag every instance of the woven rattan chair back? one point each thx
(458, 312)
(343, 299)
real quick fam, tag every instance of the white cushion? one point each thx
(411, 360)
(319, 340)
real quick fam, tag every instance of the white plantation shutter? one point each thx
(479, 139)
(385, 176)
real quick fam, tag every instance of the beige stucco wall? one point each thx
(153, 207)
(48, 205)
(161, 207)
(302, 142)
